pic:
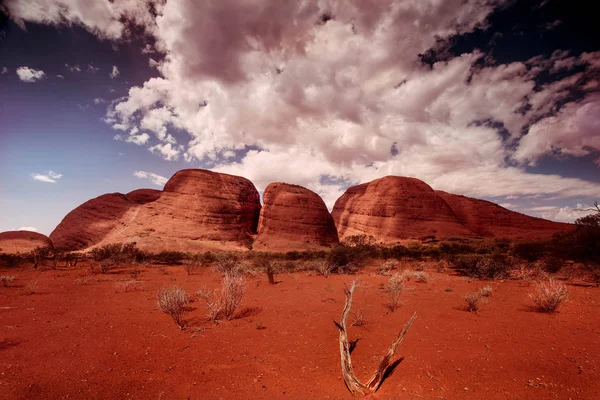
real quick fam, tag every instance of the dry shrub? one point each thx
(80, 281)
(191, 266)
(394, 288)
(421, 276)
(130, 285)
(358, 319)
(107, 265)
(259, 325)
(30, 288)
(472, 300)
(552, 264)
(594, 270)
(441, 266)
(486, 291)
(212, 300)
(226, 263)
(232, 292)
(324, 268)
(420, 266)
(172, 301)
(387, 267)
(492, 267)
(549, 295)
(6, 279)
(40, 255)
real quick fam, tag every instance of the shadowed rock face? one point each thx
(293, 217)
(197, 210)
(91, 222)
(490, 220)
(12, 242)
(394, 208)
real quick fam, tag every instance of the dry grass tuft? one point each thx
(130, 285)
(232, 291)
(549, 295)
(421, 276)
(172, 301)
(486, 291)
(394, 288)
(212, 300)
(6, 279)
(30, 288)
(387, 267)
(259, 325)
(81, 281)
(234, 286)
(324, 268)
(473, 301)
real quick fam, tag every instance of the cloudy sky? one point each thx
(496, 99)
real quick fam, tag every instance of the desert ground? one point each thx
(76, 333)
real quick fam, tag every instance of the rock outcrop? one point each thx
(13, 242)
(91, 222)
(395, 208)
(293, 217)
(201, 210)
(197, 210)
(488, 219)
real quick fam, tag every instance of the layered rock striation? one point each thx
(395, 208)
(197, 210)
(294, 217)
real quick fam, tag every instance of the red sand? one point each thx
(97, 341)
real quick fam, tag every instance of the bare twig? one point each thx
(354, 385)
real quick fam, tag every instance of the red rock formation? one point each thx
(91, 222)
(12, 242)
(293, 217)
(490, 220)
(197, 210)
(394, 208)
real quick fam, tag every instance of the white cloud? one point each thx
(30, 75)
(574, 130)
(343, 101)
(148, 49)
(4, 71)
(73, 68)
(562, 214)
(140, 140)
(154, 178)
(27, 228)
(49, 176)
(99, 100)
(114, 73)
(93, 69)
(60, 77)
(105, 18)
(167, 151)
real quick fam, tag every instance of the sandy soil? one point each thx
(102, 340)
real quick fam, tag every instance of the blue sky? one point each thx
(492, 99)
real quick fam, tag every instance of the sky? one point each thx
(494, 99)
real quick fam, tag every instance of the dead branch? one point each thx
(354, 385)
